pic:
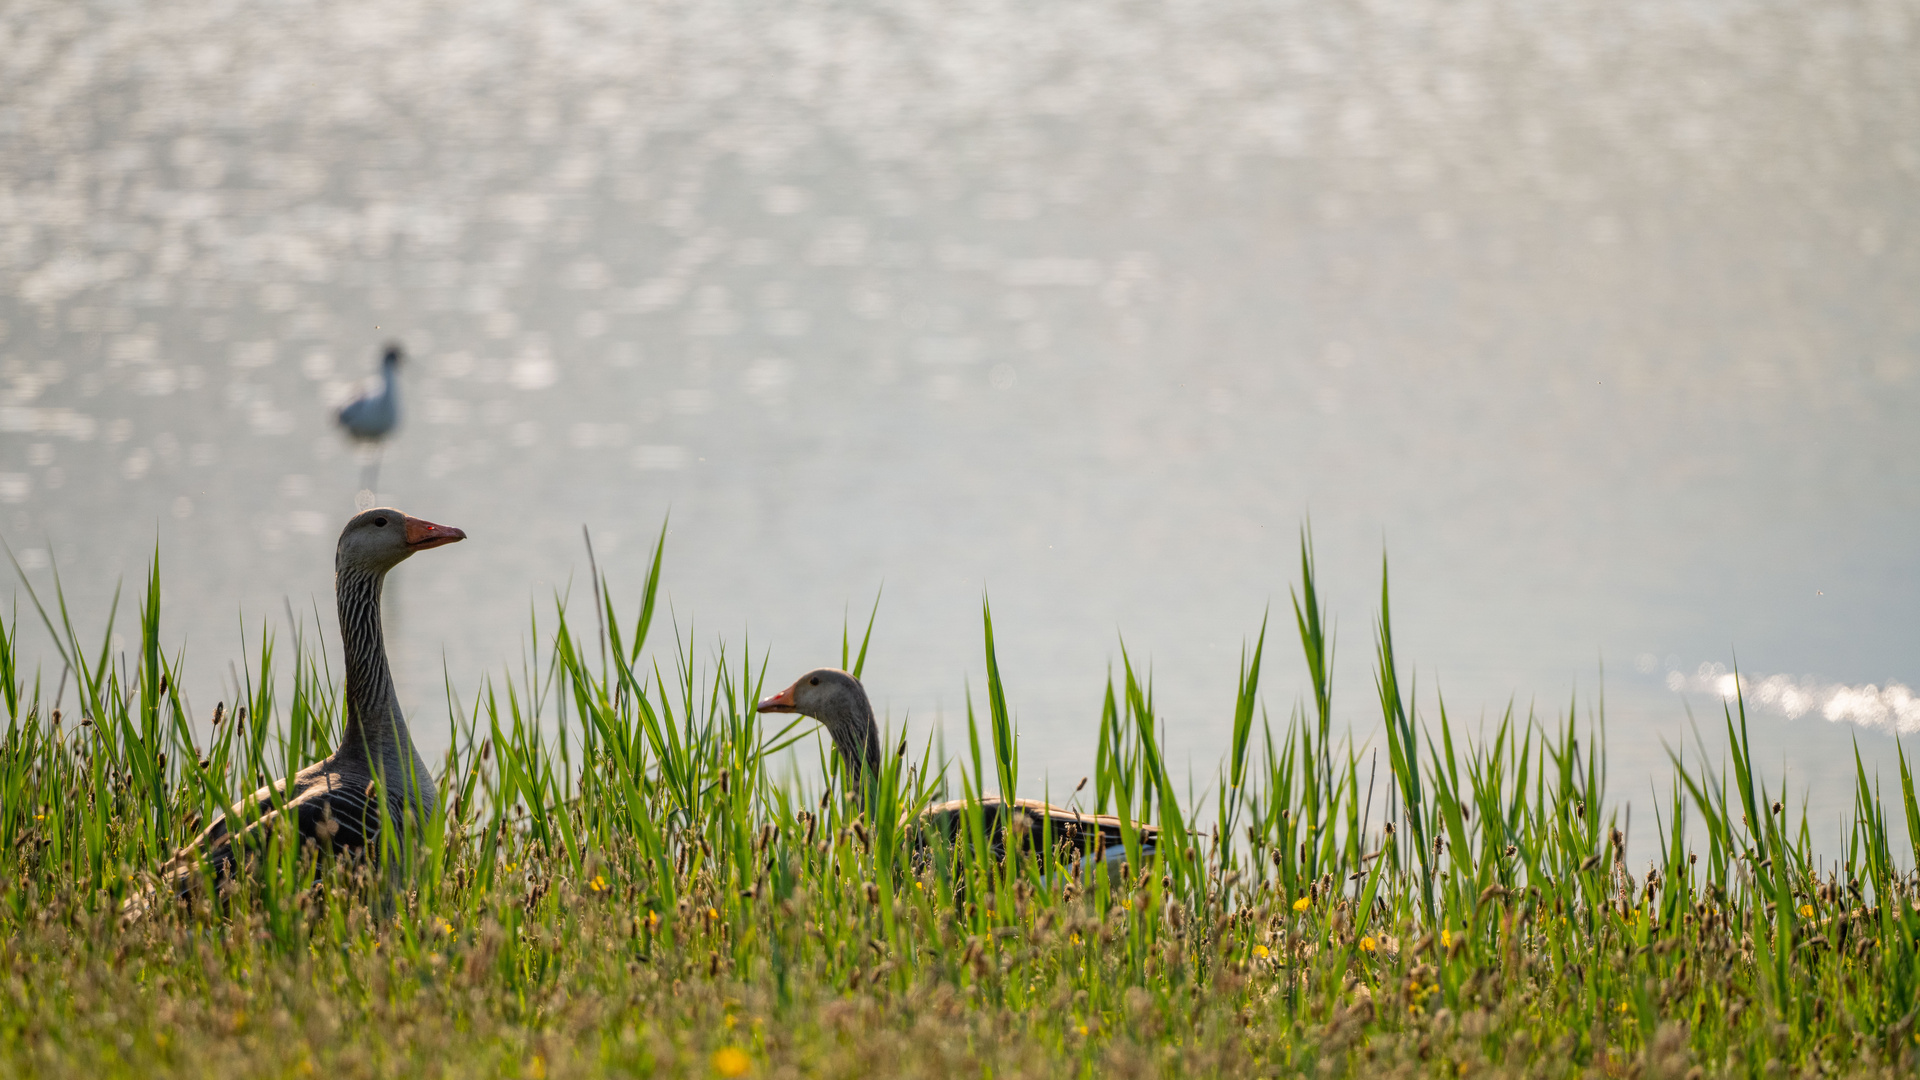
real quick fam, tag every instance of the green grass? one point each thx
(616, 881)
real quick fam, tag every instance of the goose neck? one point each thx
(856, 736)
(375, 732)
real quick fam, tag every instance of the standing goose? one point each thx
(332, 801)
(838, 701)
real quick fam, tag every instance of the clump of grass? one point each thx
(613, 881)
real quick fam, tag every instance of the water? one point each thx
(1596, 318)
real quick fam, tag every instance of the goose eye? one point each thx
(815, 681)
(380, 521)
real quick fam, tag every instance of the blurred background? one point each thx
(1597, 319)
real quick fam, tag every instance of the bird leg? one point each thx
(369, 482)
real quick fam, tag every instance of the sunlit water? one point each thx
(1597, 318)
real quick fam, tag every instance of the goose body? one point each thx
(334, 802)
(372, 415)
(1099, 835)
(838, 701)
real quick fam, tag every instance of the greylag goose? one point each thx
(840, 704)
(333, 801)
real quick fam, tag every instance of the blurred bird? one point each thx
(370, 417)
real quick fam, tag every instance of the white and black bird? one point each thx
(372, 416)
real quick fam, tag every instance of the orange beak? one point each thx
(780, 702)
(422, 534)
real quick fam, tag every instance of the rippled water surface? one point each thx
(1598, 317)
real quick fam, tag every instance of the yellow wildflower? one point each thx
(653, 920)
(731, 1061)
(1367, 945)
(1622, 1010)
(1446, 939)
(1806, 911)
(1302, 904)
(1261, 951)
(598, 884)
(713, 915)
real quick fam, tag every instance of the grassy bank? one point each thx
(636, 893)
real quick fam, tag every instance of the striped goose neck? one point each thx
(375, 730)
(856, 736)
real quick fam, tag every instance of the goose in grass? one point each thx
(373, 415)
(333, 802)
(839, 703)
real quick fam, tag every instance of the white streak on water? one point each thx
(1892, 708)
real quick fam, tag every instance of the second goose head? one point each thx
(839, 702)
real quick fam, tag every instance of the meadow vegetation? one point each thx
(618, 879)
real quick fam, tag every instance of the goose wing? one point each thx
(330, 811)
(1098, 833)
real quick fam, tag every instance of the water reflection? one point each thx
(1891, 709)
(1598, 314)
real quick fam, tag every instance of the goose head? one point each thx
(379, 539)
(391, 355)
(838, 701)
